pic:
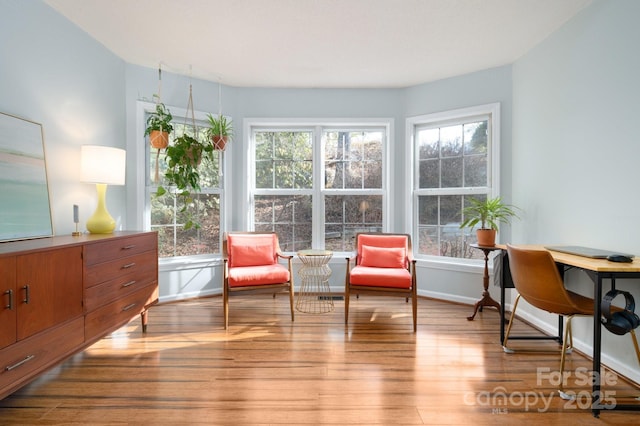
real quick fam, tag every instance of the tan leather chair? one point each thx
(537, 280)
(251, 265)
(384, 266)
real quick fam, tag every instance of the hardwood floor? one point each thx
(267, 370)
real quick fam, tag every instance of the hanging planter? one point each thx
(220, 131)
(159, 125)
(159, 139)
(183, 158)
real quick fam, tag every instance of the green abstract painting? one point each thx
(25, 210)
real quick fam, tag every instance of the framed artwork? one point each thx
(25, 208)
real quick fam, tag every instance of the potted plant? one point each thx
(159, 126)
(183, 158)
(220, 131)
(488, 213)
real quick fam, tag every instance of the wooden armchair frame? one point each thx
(286, 286)
(381, 290)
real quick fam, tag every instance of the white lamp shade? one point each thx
(103, 164)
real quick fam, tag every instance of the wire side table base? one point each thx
(314, 296)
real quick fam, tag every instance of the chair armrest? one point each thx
(284, 256)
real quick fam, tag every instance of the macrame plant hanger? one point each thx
(221, 155)
(158, 101)
(193, 114)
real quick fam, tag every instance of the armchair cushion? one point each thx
(258, 275)
(379, 257)
(251, 250)
(380, 277)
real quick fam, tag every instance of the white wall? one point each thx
(54, 74)
(576, 148)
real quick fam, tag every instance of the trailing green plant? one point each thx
(488, 213)
(159, 120)
(183, 159)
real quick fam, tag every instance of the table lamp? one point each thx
(103, 166)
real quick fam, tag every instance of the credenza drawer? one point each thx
(25, 358)
(101, 272)
(117, 313)
(108, 291)
(118, 248)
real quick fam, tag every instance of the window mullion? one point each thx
(318, 187)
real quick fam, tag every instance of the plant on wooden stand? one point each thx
(488, 213)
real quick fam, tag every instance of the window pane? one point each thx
(428, 143)
(476, 138)
(353, 159)
(428, 210)
(347, 215)
(174, 240)
(452, 172)
(451, 141)
(429, 173)
(289, 216)
(439, 229)
(284, 159)
(475, 170)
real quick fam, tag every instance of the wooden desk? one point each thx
(598, 270)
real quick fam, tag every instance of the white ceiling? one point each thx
(319, 43)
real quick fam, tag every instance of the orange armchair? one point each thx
(383, 266)
(251, 265)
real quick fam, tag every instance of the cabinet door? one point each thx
(49, 288)
(7, 301)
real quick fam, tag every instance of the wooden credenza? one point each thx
(59, 295)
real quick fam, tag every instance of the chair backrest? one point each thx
(250, 248)
(537, 279)
(383, 250)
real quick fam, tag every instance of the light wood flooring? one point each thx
(267, 370)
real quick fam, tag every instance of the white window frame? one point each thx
(493, 158)
(316, 126)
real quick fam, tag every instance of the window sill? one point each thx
(189, 262)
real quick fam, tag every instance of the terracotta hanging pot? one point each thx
(219, 142)
(486, 237)
(158, 139)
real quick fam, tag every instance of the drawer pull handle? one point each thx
(130, 283)
(126, 308)
(26, 294)
(129, 265)
(18, 364)
(10, 305)
(129, 247)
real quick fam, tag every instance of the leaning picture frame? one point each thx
(25, 207)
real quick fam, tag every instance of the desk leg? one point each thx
(596, 397)
(502, 312)
(486, 297)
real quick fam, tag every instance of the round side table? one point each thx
(314, 296)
